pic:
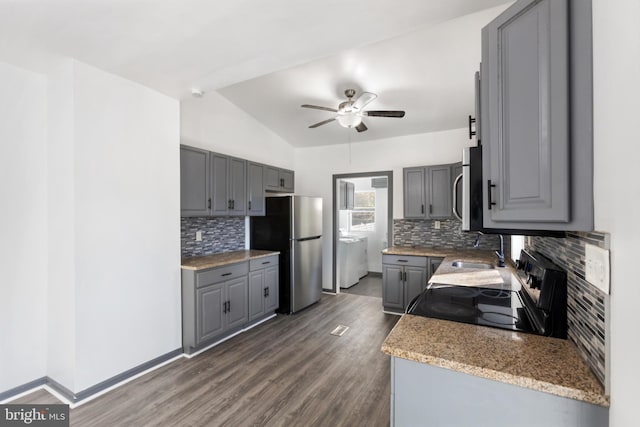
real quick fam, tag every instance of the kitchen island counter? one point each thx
(539, 363)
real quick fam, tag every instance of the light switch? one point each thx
(436, 225)
(198, 236)
(597, 267)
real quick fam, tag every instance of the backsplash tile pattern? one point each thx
(420, 232)
(221, 234)
(587, 305)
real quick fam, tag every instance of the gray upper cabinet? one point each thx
(347, 195)
(219, 184)
(237, 186)
(194, 182)
(255, 189)
(536, 117)
(213, 184)
(414, 192)
(279, 180)
(439, 192)
(428, 192)
(228, 184)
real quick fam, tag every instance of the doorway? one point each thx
(362, 228)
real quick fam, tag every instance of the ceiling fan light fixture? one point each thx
(349, 120)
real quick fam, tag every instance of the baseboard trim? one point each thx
(76, 399)
(23, 389)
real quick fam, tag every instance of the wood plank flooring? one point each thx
(369, 286)
(286, 372)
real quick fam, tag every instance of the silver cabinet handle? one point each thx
(456, 212)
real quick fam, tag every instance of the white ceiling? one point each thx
(172, 46)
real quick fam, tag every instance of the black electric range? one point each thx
(538, 307)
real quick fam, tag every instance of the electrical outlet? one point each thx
(436, 225)
(198, 236)
(597, 267)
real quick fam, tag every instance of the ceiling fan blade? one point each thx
(324, 122)
(383, 113)
(361, 127)
(316, 107)
(364, 99)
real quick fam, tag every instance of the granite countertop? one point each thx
(550, 365)
(447, 274)
(540, 363)
(223, 258)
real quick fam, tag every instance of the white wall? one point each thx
(127, 228)
(616, 51)
(315, 167)
(214, 123)
(23, 226)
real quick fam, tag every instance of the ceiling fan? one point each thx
(350, 112)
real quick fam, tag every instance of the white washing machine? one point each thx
(352, 262)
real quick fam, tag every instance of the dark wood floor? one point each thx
(289, 371)
(370, 286)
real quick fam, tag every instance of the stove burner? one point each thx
(459, 291)
(495, 293)
(453, 310)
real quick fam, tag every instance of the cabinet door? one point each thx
(257, 294)
(351, 195)
(209, 312)
(414, 194)
(392, 287)
(415, 282)
(220, 200)
(287, 180)
(255, 189)
(439, 192)
(342, 196)
(272, 286)
(237, 301)
(272, 178)
(526, 139)
(194, 182)
(238, 186)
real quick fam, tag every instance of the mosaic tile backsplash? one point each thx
(221, 234)
(587, 305)
(420, 232)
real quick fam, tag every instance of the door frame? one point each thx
(336, 178)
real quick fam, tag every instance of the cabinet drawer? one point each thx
(414, 261)
(258, 263)
(221, 274)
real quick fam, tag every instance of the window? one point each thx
(363, 215)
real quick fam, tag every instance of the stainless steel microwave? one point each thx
(470, 213)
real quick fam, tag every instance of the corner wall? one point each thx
(23, 227)
(616, 67)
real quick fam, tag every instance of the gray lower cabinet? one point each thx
(403, 278)
(434, 263)
(255, 189)
(428, 192)
(215, 302)
(263, 287)
(195, 198)
(463, 400)
(536, 103)
(279, 180)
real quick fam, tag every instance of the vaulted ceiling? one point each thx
(268, 57)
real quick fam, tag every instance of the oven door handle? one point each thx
(412, 303)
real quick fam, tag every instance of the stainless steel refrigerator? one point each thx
(293, 226)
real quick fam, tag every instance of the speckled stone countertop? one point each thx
(224, 258)
(545, 364)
